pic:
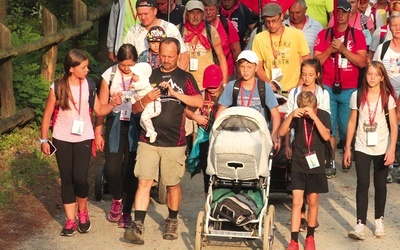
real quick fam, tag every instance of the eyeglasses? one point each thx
(273, 21)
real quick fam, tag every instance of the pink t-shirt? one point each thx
(65, 118)
(253, 5)
(355, 22)
(226, 43)
(349, 74)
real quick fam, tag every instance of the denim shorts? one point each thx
(340, 110)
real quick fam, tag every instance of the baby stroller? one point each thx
(239, 163)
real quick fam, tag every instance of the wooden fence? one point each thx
(83, 22)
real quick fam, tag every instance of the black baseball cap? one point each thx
(145, 3)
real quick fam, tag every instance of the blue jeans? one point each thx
(340, 110)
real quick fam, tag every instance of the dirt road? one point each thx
(337, 216)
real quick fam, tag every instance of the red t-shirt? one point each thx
(349, 74)
(253, 4)
(226, 43)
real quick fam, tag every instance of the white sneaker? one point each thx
(358, 232)
(379, 227)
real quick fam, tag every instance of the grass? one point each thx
(23, 167)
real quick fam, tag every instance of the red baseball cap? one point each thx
(212, 77)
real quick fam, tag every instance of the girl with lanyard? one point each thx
(121, 137)
(73, 135)
(197, 161)
(375, 141)
(310, 71)
(312, 129)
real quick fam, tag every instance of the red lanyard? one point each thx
(123, 81)
(251, 94)
(308, 138)
(371, 119)
(80, 94)
(275, 52)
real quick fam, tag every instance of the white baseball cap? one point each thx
(194, 4)
(249, 56)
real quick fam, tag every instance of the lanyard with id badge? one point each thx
(311, 156)
(126, 106)
(78, 124)
(370, 126)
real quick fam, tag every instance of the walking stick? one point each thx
(169, 9)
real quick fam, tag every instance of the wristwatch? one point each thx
(43, 140)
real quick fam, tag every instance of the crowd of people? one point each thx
(179, 65)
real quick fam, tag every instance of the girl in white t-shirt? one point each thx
(373, 143)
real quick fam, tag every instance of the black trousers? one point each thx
(363, 163)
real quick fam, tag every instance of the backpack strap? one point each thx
(235, 92)
(92, 92)
(214, 54)
(383, 33)
(224, 22)
(112, 75)
(261, 92)
(385, 47)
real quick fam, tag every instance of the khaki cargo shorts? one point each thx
(152, 161)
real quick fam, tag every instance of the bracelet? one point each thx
(43, 140)
(98, 133)
(141, 105)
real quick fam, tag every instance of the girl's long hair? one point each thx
(385, 86)
(72, 59)
(315, 63)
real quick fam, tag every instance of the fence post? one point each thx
(49, 59)
(6, 76)
(79, 15)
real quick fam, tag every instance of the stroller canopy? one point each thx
(240, 144)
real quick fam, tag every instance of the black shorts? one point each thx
(310, 183)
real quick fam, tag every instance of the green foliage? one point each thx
(22, 165)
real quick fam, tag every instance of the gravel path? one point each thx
(337, 217)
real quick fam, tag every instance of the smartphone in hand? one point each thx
(53, 149)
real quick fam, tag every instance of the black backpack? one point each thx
(261, 92)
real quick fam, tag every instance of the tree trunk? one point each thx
(3, 11)
(20, 118)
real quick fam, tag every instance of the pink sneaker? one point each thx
(69, 228)
(115, 210)
(84, 222)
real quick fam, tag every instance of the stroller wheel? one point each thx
(99, 183)
(199, 231)
(267, 244)
(271, 213)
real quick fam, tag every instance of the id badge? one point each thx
(312, 160)
(77, 126)
(193, 64)
(125, 115)
(276, 74)
(372, 138)
(343, 63)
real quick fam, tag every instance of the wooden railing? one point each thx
(83, 22)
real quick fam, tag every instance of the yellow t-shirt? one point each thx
(292, 47)
(204, 57)
(319, 9)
